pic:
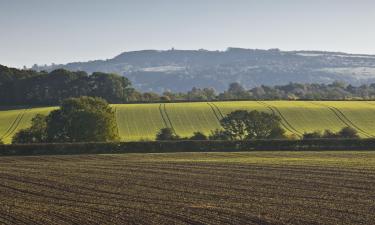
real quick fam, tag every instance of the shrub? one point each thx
(198, 136)
(219, 135)
(348, 132)
(312, 135)
(330, 134)
(166, 134)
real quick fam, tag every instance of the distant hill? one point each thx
(180, 70)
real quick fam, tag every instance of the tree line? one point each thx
(28, 87)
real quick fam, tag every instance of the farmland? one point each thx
(189, 188)
(142, 121)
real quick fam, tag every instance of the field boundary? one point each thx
(188, 146)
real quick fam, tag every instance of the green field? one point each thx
(189, 188)
(142, 121)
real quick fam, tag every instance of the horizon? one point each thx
(45, 32)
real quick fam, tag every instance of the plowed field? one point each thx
(189, 188)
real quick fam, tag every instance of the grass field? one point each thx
(189, 188)
(142, 121)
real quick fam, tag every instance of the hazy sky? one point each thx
(46, 31)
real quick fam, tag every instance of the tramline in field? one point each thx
(142, 121)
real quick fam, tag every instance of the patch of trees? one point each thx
(346, 132)
(83, 119)
(28, 87)
(292, 91)
(32, 88)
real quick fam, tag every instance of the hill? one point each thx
(142, 121)
(180, 70)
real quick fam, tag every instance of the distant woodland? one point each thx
(29, 87)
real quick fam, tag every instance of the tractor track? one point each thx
(215, 113)
(169, 119)
(284, 122)
(344, 119)
(13, 127)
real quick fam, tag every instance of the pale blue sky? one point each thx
(46, 31)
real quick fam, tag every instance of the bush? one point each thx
(198, 136)
(348, 132)
(330, 134)
(166, 134)
(312, 135)
(219, 135)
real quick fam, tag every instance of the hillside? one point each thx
(142, 121)
(180, 70)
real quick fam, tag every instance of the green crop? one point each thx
(142, 121)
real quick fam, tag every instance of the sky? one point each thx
(61, 31)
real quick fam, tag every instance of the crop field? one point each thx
(12, 120)
(142, 121)
(189, 188)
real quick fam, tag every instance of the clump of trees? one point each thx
(346, 132)
(248, 125)
(31, 87)
(198, 136)
(83, 119)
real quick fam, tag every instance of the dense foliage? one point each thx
(30, 87)
(247, 125)
(83, 119)
(166, 134)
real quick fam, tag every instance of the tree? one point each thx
(198, 136)
(261, 125)
(83, 119)
(166, 134)
(348, 132)
(234, 124)
(34, 134)
(246, 125)
(277, 133)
